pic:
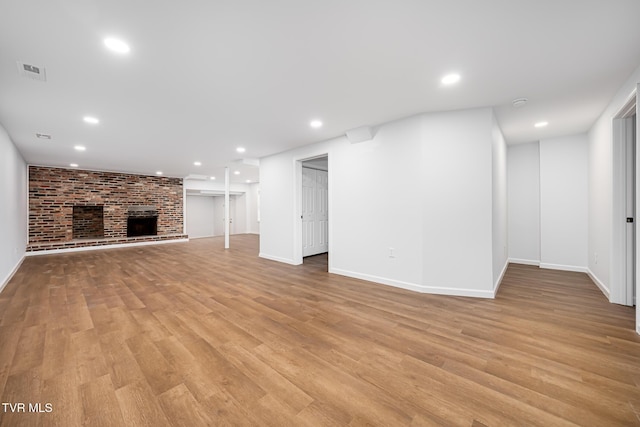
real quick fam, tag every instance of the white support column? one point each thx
(226, 207)
(184, 208)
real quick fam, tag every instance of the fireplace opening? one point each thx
(142, 221)
(88, 222)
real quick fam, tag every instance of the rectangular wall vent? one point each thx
(35, 72)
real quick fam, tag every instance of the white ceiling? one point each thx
(204, 77)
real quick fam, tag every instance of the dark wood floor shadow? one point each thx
(192, 334)
(318, 262)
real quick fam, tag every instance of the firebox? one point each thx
(88, 222)
(142, 221)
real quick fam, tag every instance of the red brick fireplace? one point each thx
(70, 208)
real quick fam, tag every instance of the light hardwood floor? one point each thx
(189, 334)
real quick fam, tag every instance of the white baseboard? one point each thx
(97, 248)
(11, 273)
(564, 267)
(222, 235)
(496, 285)
(599, 284)
(524, 261)
(278, 259)
(593, 277)
(413, 286)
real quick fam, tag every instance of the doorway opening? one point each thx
(205, 213)
(623, 284)
(313, 196)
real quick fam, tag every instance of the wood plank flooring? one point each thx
(187, 334)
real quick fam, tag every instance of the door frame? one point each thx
(621, 129)
(297, 204)
(317, 230)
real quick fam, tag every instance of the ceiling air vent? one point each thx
(196, 177)
(30, 71)
(519, 102)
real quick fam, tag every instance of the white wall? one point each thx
(241, 213)
(253, 208)
(13, 209)
(200, 217)
(457, 202)
(601, 196)
(564, 203)
(601, 183)
(245, 202)
(524, 203)
(422, 186)
(500, 207)
(278, 233)
(375, 204)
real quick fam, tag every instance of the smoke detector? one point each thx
(519, 102)
(34, 72)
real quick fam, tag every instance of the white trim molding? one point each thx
(524, 261)
(599, 284)
(278, 259)
(564, 267)
(11, 273)
(496, 285)
(414, 286)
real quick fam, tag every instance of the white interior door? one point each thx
(308, 211)
(232, 214)
(315, 215)
(322, 210)
(219, 215)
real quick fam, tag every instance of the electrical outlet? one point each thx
(392, 253)
(595, 257)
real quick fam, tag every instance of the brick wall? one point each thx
(54, 191)
(88, 222)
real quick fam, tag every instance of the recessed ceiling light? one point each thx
(73, 165)
(212, 178)
(91, 120)
(248, 181)
(159, 173)
(116, 45)
(450, 79)
(236, 173)
(241, 149)
(79, 148)
(197, 163)
(541, 124)
(315, 124)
